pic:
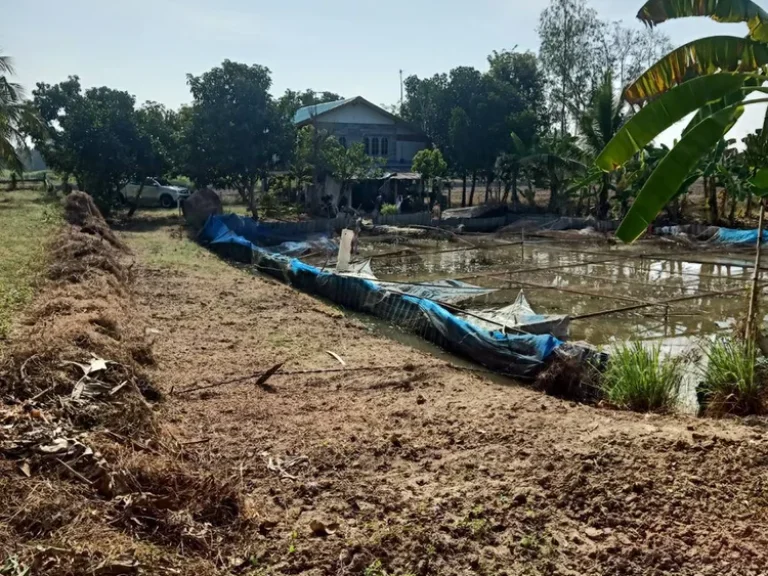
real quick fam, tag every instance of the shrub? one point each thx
(638, 378)
(734, 379)
(388, 209)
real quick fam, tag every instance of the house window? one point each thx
(374, 146)
(384, 147)
(367, 145)
(343, 141)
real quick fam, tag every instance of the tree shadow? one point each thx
(147, 222)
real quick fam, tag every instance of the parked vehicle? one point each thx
(154, 194)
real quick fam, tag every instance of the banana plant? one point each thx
(710, 77)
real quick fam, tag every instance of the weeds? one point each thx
(734, 380)
(638, 378)
(26, 225)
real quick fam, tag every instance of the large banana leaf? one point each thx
(698, 58)
(658, 11)
(663, 112)
(672, 171)
(750, 84)
(760, 183)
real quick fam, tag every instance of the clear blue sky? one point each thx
(353, 47)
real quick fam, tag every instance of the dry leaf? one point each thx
(24, 467)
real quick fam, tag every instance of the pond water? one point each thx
(581, 279)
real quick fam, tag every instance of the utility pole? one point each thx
(401, 90)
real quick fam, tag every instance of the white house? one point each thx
(356, 120)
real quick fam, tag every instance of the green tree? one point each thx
(14, 116)
(570, 33)
(755, 155)
(156, 147)
(237, 129)
(346, 164)
(92, 135)
(710, 77)
(302, 164)
(597, 125)
(292, 100)
(431, 165)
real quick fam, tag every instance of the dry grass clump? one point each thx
(81, 211)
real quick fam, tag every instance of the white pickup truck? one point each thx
(154, 194)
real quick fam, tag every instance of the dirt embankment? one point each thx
(393, 464)
(88, 482)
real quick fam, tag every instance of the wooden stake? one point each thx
(755, 276)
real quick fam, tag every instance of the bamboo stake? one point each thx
(755, 276)
(663, 303)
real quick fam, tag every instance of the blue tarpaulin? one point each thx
(517, 355)
(731, 236)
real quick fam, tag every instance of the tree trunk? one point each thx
(602, 203)
(488, 184)
(753, 294)
(711, 192)
(507, 189)
(723, 201)
(732, 212)
(472, 191)
(749, 204)
(553, 199)
(252, 200)
(135, 205)
(515, 195)
(464, 190)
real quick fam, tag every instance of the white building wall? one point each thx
(356, 114)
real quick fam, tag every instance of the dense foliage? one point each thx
(577, 120)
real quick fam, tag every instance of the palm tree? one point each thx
(598, 124)
(710, 77)
(13, 113)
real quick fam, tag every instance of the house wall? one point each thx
(356, 114)
(403, 143)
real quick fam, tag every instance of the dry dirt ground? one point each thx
(396, 464)
(409, 466)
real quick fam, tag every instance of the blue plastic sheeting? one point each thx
(256, 233)
(234, 229)
(497, 350)
(521, 356)
(731, 236)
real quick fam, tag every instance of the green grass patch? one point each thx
(638, 378)
(28, 221)
(734, 379)
(160, 239)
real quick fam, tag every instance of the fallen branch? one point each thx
(294, 373)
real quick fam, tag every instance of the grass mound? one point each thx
(735, 380)
(638, 378)
(80, 210)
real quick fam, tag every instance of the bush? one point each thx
(638, 378)
(388, 210)
(734, 379)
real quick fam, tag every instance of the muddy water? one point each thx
(590, 284)
(577, 279)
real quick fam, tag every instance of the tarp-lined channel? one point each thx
(517, 355)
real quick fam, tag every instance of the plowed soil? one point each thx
(398, 463)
